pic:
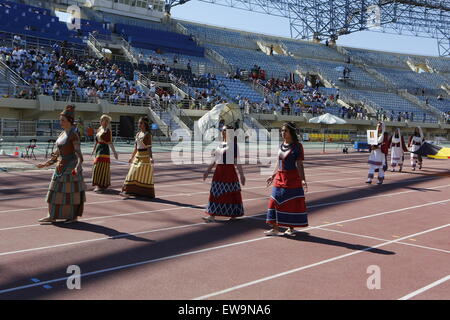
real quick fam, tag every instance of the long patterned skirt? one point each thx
(287, 205)
(67, 193)
(139, 180)
(225, 197)
(101, 173)
(396, 156)
(415, 158)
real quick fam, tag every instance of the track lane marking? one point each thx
(381, 239)
(126, 266)
(202, 192)
(309, 266)
(261, 198)
(246, 217)
(426, 288)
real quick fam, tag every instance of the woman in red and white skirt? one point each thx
(287, 206)
(225, 199)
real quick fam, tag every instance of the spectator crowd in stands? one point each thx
(62, 75)
(291, 97)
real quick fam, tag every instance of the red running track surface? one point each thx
(137, 249)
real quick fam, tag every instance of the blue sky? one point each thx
(249, 21)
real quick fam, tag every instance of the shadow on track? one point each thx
(190, 239)
(95, 228)
(306, 237)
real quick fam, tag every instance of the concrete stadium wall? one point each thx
(45, 108)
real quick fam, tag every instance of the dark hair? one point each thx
(69, 113)
(292, 130)
(146, 122)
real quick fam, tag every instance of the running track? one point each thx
(135, 249)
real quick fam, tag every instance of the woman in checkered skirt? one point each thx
(225, 198)
(67, 191)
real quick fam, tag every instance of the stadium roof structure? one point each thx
(328, 19)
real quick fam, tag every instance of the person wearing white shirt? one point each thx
(98, 82)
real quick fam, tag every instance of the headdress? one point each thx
(69, 113)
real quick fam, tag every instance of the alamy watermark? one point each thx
(374, 280)
(252, 146)
(74, 280)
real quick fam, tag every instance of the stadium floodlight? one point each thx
(321, 19)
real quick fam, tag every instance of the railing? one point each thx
(182, 62)
(67, 95)
(147, 78)
(219, 58)
(128, 49)
(377, 75)
(10, 75)
(30, 42)
(371, 108)
(31, 92)
(131, 101)
(96, 45)
(429, 108)
(261, 89)
(182, 29)
(175, 110)
(44, 128)
(342, 51)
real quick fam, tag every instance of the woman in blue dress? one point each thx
(287, 206)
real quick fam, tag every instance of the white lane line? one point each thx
(39, 186)
(126, 266)
(92, 193)
(381, 239)
(172, 208)
(169, 195)
(121, 199)
(428, 287)
(308, 228)
(133, 264)
(281, 274)
(122, 235)
(261, 198)
(190, 194)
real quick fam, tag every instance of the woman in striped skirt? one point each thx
(66, 193)
(225, 199)
(287, 206)
(101, 173)
(139, 181)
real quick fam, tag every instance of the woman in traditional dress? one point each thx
(225, 198)
(101, 173)
(398, 148)
(66, 193)
(139, 181)
(287, 206)
(415, 142)
(378, 152)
